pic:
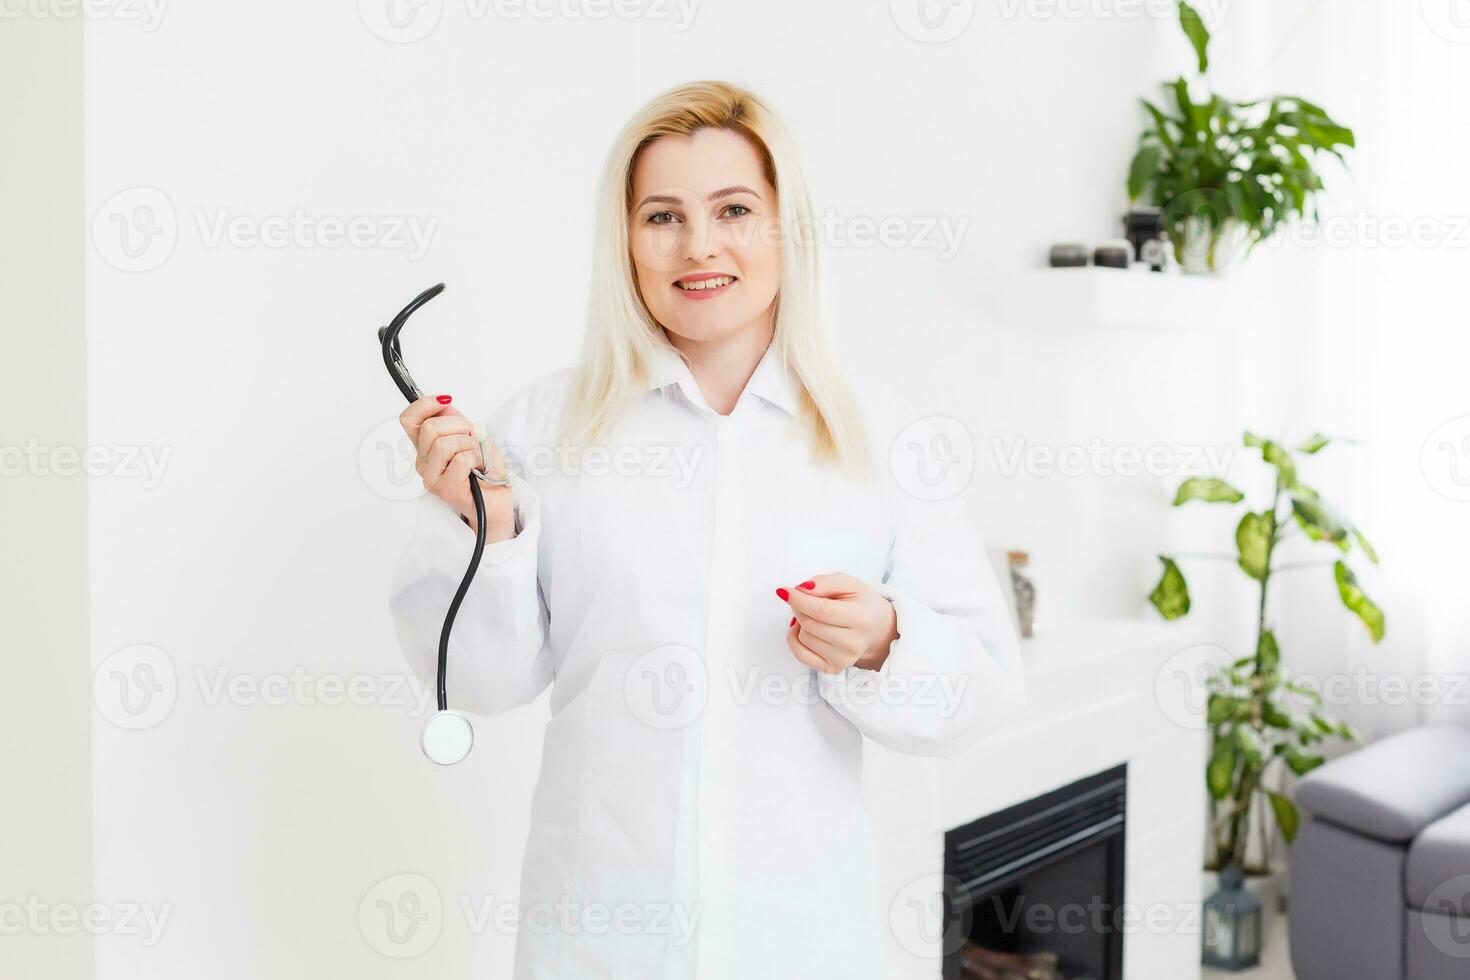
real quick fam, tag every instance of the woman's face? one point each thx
(701, 208)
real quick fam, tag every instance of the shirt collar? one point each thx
(771, 380)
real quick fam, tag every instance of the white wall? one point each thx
(266, 546)
(45, 770)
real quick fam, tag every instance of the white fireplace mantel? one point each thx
(1099, 694)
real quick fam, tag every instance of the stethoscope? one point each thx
(448, 736)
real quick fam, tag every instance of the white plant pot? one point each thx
(1206, 251)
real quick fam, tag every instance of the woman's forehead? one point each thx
(699, 165)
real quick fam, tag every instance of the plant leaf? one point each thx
(1273, 453)
(1247, 744)
(1314, 443)
(1300, 762)
(1198, 34)
(1171, 596)
(1287, 817)
(1318, 521)
(1253, 540)
(1305, 691)
(1268, 653)
(1274, 715)
(1220, 709)
(1354, 598)
(1193, 126)
(1207, 489)
(1324, 724)
(1141, 171)
(1221, 768)
(1161, 126)
(1363, 543)
(1277, 456)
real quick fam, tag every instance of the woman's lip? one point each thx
(703, 293)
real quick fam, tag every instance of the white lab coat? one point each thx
(700, 811)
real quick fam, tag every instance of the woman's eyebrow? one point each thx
(736, 189)
(722, 192)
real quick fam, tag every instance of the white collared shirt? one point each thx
(696, 778)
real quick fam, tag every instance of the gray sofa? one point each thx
(1380, 870)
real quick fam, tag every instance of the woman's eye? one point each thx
(653, 219)
(738, 207)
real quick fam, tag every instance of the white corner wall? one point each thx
(45, 700)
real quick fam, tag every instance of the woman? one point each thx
(709, 551)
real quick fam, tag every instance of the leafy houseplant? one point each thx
(1252, 719)
(1221, 170)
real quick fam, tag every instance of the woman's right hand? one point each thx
(446, 452)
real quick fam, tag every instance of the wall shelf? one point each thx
(1135, 297)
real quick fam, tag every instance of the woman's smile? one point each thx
(705, 285)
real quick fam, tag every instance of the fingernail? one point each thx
(783, 594)
(444, 399)
(793, 621)
(807, 585)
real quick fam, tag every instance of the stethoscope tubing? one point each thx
(393, 360)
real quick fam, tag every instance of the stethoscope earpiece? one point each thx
(448, 738)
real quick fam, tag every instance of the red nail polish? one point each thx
(793, 621)
(444, 399)
(807, 585)
(783, 594)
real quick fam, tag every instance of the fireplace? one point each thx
(1035, 891)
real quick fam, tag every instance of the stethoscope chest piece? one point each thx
(447, 738)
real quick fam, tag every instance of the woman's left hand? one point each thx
(840, 622)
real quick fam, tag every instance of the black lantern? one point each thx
(1232, 927)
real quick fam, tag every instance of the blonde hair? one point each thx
(622, 336)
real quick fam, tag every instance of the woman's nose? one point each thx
(698, 244)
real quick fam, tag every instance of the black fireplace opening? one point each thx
(1035, 891)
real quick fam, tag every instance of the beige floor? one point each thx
(1275, 962)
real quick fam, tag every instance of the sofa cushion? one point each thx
(1396, 786)
(1437, 874)
(1435, 946)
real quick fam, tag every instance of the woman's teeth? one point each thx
(705, 283)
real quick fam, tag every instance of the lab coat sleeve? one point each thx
(498, 652)
(953, 675)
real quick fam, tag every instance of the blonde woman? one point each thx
(728, 567)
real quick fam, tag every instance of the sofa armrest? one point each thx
(1394, 787)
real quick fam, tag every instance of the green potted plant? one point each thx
(1224, 172)
(1259, 716)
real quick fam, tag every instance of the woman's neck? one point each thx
(722, 367)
